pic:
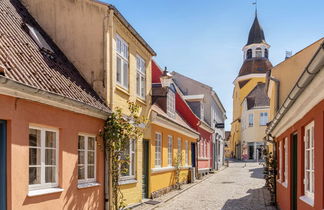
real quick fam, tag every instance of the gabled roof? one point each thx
(257, 97)
(256, 34)
(30, 57)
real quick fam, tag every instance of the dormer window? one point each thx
(249, 54)
(171, 103)
(258, 52)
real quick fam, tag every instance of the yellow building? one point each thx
(111, 56)
(250, 103)
(171, 148)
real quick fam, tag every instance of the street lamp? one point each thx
(166, 78)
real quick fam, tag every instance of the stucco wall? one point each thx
(19, 114)
(161, 180)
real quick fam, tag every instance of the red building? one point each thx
(202, 151)
(297, 131)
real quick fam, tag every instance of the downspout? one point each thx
(277, 82)
(109, 97)
(111, 34)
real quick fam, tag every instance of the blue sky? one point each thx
(203, 39)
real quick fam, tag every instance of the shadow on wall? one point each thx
(73, 200)
(257, 173)
(257, 199)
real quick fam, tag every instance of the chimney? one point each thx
(288, 54)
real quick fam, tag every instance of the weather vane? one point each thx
(256, 6)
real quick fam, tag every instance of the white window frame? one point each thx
(286, 162)
(251, 120)
(86, 150)
(123, 55)
(280, 161)
(44, 185)
(171, 103)
(140, 74)
(309, 193)
(132, 162)
(263, 118)
(170, 150)
(158, 150)
(187, 153)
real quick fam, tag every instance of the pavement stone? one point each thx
(238, 187)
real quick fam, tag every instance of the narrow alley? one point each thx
(240, 186)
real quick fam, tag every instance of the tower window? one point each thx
(258, 52)
(249, 54)
(266, 53)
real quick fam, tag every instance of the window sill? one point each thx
(127, 181)
(33, 193)
(307, 200)
(87, 185)
(141, 100)
(122, 89)
(164, 169)
(203, 158)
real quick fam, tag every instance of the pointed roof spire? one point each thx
(256, 34)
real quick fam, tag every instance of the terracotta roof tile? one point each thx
(258, 97)
(26, 63)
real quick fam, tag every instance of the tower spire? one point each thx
(256, 7)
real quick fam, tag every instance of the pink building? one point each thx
(50, 119)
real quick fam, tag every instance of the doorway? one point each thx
(193, 154)
(293, 163)
(145, 174)
(3, 164)
(251, 152)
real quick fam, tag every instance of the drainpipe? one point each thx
(277, 82)
(107, 66)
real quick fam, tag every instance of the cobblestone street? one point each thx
(238, 187)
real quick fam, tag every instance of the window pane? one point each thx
(50, 174)
(81, 159)
(91, 157)
(50, 139)
(34, 156)
(34, 137)
(142, 86)
(118, 69)
(50, 157)
(307, 180)
(125, 74)
(133, 164)
(91, 172)
(118, 43)
(91, 143)
(138, 85)
(81, 172)
(34, 175)
(81, 142)
(124, 168)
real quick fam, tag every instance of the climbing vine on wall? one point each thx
(118, 132)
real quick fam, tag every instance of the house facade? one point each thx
(250, 105)
(295, 88)
(205, 103)
(171, 149)
(113, 58)
(50, 120)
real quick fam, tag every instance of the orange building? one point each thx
(50, 119)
